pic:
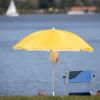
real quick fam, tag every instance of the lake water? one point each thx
(27, 73)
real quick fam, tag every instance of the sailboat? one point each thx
(77, 10)
(12, 11)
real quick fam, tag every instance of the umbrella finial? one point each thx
(53, 28)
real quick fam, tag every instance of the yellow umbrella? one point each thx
(53, 40)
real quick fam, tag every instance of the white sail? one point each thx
(12, 11)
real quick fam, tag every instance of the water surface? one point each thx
(27, 73)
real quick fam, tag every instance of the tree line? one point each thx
(29, 5)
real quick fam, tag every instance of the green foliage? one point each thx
(4, 4)
(61, 5)
(46, 3)
(50, 98)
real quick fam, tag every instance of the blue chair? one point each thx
(79, 77)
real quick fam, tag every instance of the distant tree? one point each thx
(46, 3)
(4, 4)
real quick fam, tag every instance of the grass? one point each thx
(49, 98)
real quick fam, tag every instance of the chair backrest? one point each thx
(79, 76)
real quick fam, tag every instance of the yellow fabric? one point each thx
(54, 56)
(56, 40)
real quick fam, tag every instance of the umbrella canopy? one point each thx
(52, 39)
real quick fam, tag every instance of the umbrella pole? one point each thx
(53, 79)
